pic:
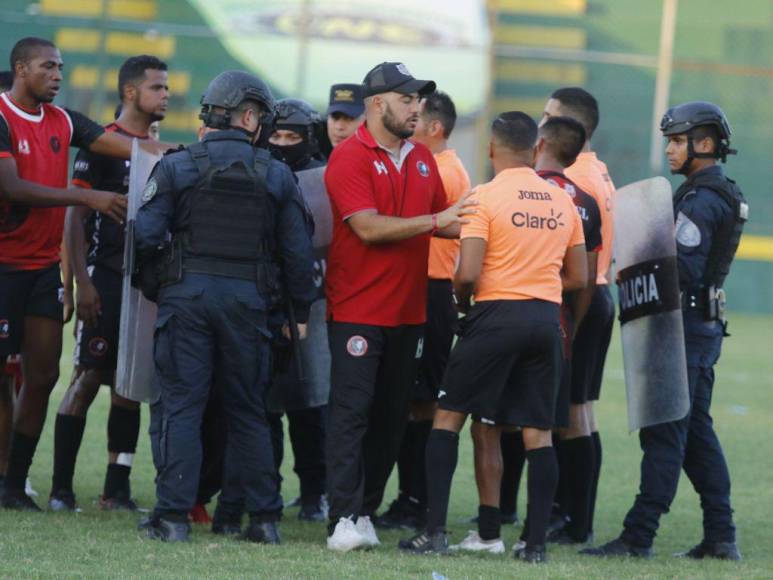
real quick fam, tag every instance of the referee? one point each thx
(387, 199)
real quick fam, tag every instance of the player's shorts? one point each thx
(97, 347)
(27, 293)
(591, 345)
(506, 367)
(442, 320)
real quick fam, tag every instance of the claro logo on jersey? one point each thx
(537, 222)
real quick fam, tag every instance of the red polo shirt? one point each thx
(379, 284)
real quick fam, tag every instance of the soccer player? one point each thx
(522, 247)
(592, 337)
(34, 139)
(95, 246)
(436, 122)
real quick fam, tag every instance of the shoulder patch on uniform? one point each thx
(151, 187)
(687, 233)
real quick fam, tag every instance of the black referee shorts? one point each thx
(506, 367)
(442, 320)
(97, 347)
(27, 293)
(591, 345)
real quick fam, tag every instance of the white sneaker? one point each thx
(28, 490)
(474, 543)
(345, 537)
(367, 531)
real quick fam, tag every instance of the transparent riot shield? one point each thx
(312, 185)
(650, 308)
(134, 375)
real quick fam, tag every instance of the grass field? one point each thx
(96, 544)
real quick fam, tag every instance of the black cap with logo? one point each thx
(346, 98)
(390, 77)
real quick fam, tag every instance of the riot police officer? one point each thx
(230, 210)
(710, 212)
(295, 139)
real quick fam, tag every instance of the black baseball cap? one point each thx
(394, 76)
(346, 98)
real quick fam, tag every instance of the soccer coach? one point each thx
(387, 200)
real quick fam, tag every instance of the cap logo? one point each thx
(402, 69)
(344, 95)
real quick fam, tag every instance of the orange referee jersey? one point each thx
(528, 225)
(591, 174)
(443, 253)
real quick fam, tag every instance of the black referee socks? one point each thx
(68, 434)
(22, 450)
(513, 458)
(489, 522)
(441, 457)
(578, 467)
(596, 475)
(543, 478)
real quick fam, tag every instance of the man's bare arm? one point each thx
(22, 191)
(114, 144)
(574, 274)
(583, 297)
(470, 265)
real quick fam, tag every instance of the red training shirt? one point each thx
(39, 141)
(379, 284)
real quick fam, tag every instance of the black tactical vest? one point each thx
(231, 211)
(726, 240)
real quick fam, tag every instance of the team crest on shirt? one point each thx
(357, 345)
(56, 145)
(150, 190)
(24, 147)
(5, 328)
(98, 346)
(423, 169)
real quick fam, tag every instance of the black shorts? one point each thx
(439, 332)
(97, 347)
(27, 293)
(506, 367)
(591, 345)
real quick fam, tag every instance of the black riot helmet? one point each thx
(687, 117)
(300, 117)
(230, 89)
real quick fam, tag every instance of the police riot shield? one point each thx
(134, 375)
(650, 308)
(288, 392)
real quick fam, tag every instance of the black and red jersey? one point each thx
(585, 204)
(104, 235)
(39, 141)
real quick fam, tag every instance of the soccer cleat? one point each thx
(716, 550)
(168, 531)
(531, 555)
(314, 510)
(365, 528)
(473, 543)
(425, 543)
(117, 504)
(63, 501)
(345, 537)
(262, 533)
(18, 500)
(402, 514)
(618, 547)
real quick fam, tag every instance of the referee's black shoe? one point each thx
(716, 550)
(403, 513)
(531, 554)
(168, 531)
(425, 543)
(262, 533)
(618, 547)
(16, 499)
